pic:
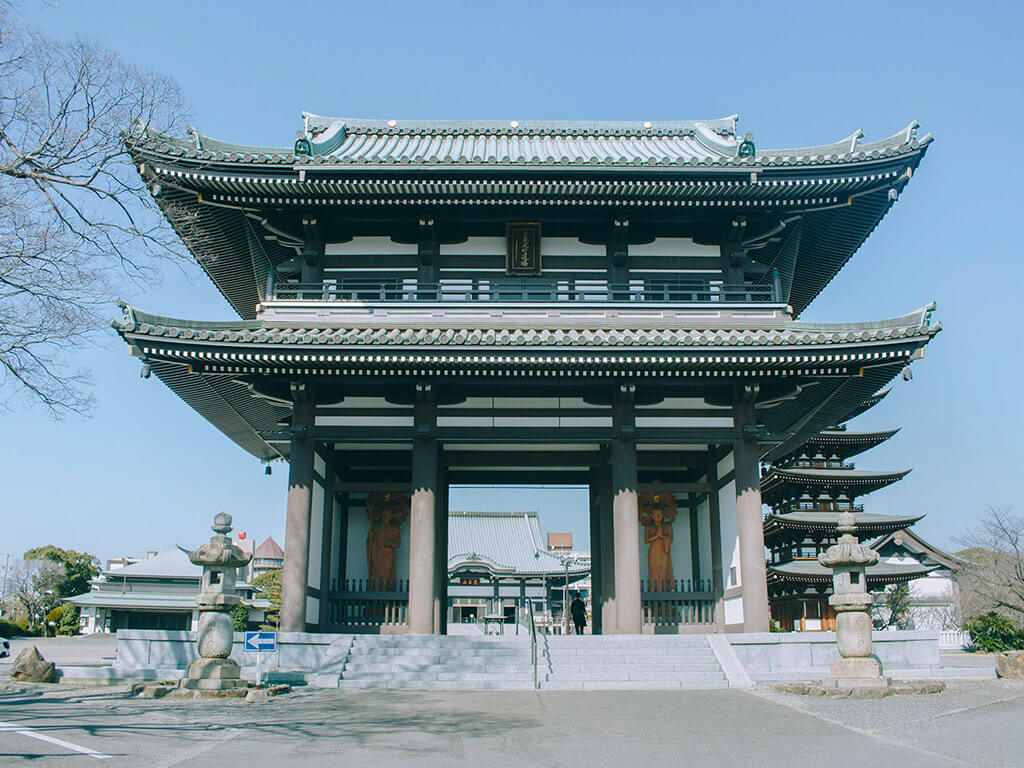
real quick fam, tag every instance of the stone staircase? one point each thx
(424, 662)
(629, 662)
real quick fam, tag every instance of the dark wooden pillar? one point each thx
(715, 525)
(295, 575)
(694, 541)
(326, 547)
(441, 556)
(596, 585)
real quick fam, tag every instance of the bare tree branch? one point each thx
(992, 577)
(76, 219)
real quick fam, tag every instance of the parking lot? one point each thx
(975, 724)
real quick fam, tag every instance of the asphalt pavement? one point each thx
(971, 724)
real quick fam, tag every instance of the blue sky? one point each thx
(145, 472)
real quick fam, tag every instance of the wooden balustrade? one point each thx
(362, 604)
(683, 602)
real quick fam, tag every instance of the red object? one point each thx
(241, 534)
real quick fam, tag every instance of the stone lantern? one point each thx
(220, 558)
(849, 559)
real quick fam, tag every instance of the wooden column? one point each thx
(715, 525)
(596, 587)
(625, 511)
(441, 556)
(423, 525)
(300, 493)
(694, 541)
(326, 542)
(753, 574)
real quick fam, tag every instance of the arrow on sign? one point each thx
(260, 641)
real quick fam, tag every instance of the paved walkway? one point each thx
(972, 724)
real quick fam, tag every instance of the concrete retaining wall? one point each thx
(152, 649)
(808, 655)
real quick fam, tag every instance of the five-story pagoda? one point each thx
(808, 491)
(604, 304)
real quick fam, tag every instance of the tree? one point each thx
(69, 624)
(34, 584)
(79, 567)
(991, 576)
(75, 216)
(240, 617)
(269, 582)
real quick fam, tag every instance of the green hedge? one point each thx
(10, 629)
(993, 633)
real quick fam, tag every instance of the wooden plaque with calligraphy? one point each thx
(522, 255)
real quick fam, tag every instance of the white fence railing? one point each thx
(954, 640)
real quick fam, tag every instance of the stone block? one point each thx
(31, 667)
(214, 669)
(1010, 665)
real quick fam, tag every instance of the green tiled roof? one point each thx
(445, 332)
(348, 141)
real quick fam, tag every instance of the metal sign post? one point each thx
(260, 642)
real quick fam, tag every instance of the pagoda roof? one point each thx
(782, 483)
(844, 444)
(867, 523)
(812, 571)
(807, 210)
(203, 362)
(868, 404)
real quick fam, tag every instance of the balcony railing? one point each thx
(534, 290)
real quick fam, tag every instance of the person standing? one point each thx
(578, 609)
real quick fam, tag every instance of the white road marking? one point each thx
(25, 730)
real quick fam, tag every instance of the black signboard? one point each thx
(522, 249)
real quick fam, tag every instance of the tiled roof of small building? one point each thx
(269, 550)
(501, 542)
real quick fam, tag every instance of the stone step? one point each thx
(631, 685)
(440, 685)
(419, 652)
(482, 669)
(633, 673)
(625, 652)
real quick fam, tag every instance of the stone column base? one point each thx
(856, 673)
(213, 675)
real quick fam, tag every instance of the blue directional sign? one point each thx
(261, 641)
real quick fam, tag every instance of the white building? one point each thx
(155, 593)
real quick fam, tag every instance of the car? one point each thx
(5, 648)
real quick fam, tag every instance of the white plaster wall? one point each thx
(478, 246)
(733, 610)
(675, 246)
(316, 528)
(367, 246)
(358, 528)
(312, 610)
(730, 535)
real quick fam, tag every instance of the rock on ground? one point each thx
(31, 667)
(1010, 665)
